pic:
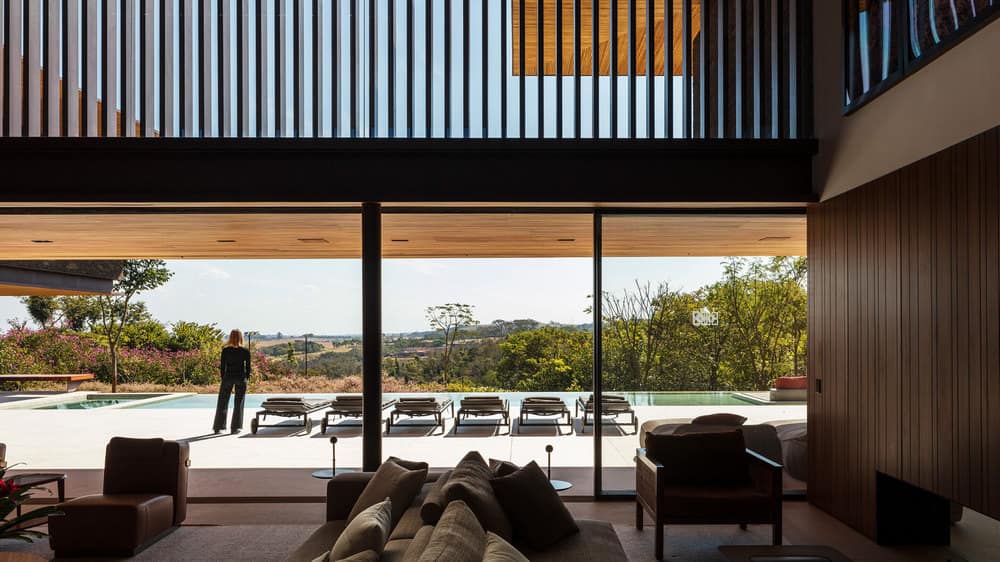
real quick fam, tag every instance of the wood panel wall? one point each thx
(904, 320)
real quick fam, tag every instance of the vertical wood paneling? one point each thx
(53, 79)
(904, 300)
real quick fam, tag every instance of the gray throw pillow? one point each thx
(719, 419)
(390, 481)
(369, 530)
(499, 550)
(538, 514)
(458, 537)
(502, 468)
(470, 482)
(408, 465)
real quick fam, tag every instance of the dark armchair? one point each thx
(682, 491)
(145, 497)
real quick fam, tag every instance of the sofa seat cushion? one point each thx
(395, 550)
(596, 542)
(135, 518)
(319, 543)
(705, 503)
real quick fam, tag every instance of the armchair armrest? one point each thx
(765, 474)
(343, 491)
(649, 475)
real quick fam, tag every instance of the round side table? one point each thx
(561, 485)
(328, 473)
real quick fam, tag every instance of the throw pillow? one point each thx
(369, 530)
(700, 459)
(458, 537)
(393, 481)
(499, 550)
(434, 502)
(502, 468)
(408, 465)
(719, 419)
(538, 514)
(419, 543)
(470, 482)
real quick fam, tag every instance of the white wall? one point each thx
(951, 99)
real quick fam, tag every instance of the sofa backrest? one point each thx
(148, 466)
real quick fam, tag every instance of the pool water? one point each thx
(254, 401)
(93, 401)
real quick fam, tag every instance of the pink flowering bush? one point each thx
(55, 352)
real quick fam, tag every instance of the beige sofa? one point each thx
(595, 542)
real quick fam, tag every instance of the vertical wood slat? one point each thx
(739, 21)
(577, 67)
(613, 38)
(391, 77)
(323, 60)
(465, 69)
(242, 62)
(521, 68)
(71, 55)
(904, 297)
(90, 78)
(756, 32)
(261, 99)
(686, 63)
(595, 70)
(206, 111)
(225, 68)
(722, 70)
(4, 32)
(631, 69)
(704, 70)
(187, 62)
(504, 73)
(109, 95)
(411, 104)
(779, 112)
(485, 68)
(33, 69)
(650, 73)
(447, 69)
(282, 78)
(354, 22)
(53, 54)
(299, 60)
(668, 65)
(148, 75)
(428, 70)
(559, 69)
(335, 11)
(540, 67)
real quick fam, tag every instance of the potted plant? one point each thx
(11, 496)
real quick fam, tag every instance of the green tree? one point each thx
(43, 310)
(449, 319)
(117, 310)
(546, 359)
(145, 333)
(189, 336)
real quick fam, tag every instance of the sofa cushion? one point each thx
(390, 481)
(596, 542)
(458, 536)
(762, 439)
(435, 502)
(470, 482)
(395, 550)
(408, 525)
(419, 543)
(318, 544)
(717, 459)
(369, 530)
(536, 511)
(719, 419)
(499, 550)
(83, 525)
(366, 556)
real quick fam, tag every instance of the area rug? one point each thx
(229, 542)
(694, 543)
(798, 553)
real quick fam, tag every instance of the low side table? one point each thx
(561, 485)
(40, 478)
(328, 473)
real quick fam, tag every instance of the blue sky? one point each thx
(324, 296)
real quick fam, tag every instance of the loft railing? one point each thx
(406, 68)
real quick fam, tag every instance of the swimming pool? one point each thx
(95, 401)
(254, 401)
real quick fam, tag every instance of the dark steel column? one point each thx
(598, 314)
(371, 322)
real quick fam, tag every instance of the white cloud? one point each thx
(215, 273)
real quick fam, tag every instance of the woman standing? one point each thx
(235, 370)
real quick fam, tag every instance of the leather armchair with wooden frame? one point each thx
(758, 502)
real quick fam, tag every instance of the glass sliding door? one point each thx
(701, 314)
(483, 313)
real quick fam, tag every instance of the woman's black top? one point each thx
(235, 362)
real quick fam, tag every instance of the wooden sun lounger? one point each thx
(347, 407)
(73, 381)
(483, 406)
(288, 408)
(418, 408)
(544, 406)
(613, 405)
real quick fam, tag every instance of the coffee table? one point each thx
(41, 478)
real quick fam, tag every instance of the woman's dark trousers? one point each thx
(227, 386)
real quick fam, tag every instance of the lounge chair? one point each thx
(544, 406)
(483, 406)
(294, 407)
(350, 406)
(420, 408)
(613, 405)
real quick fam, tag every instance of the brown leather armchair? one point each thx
(145, 497)
(675, 503)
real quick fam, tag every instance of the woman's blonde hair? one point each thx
(235, 339)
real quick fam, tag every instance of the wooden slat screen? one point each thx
(904, 333)
(404, 68)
